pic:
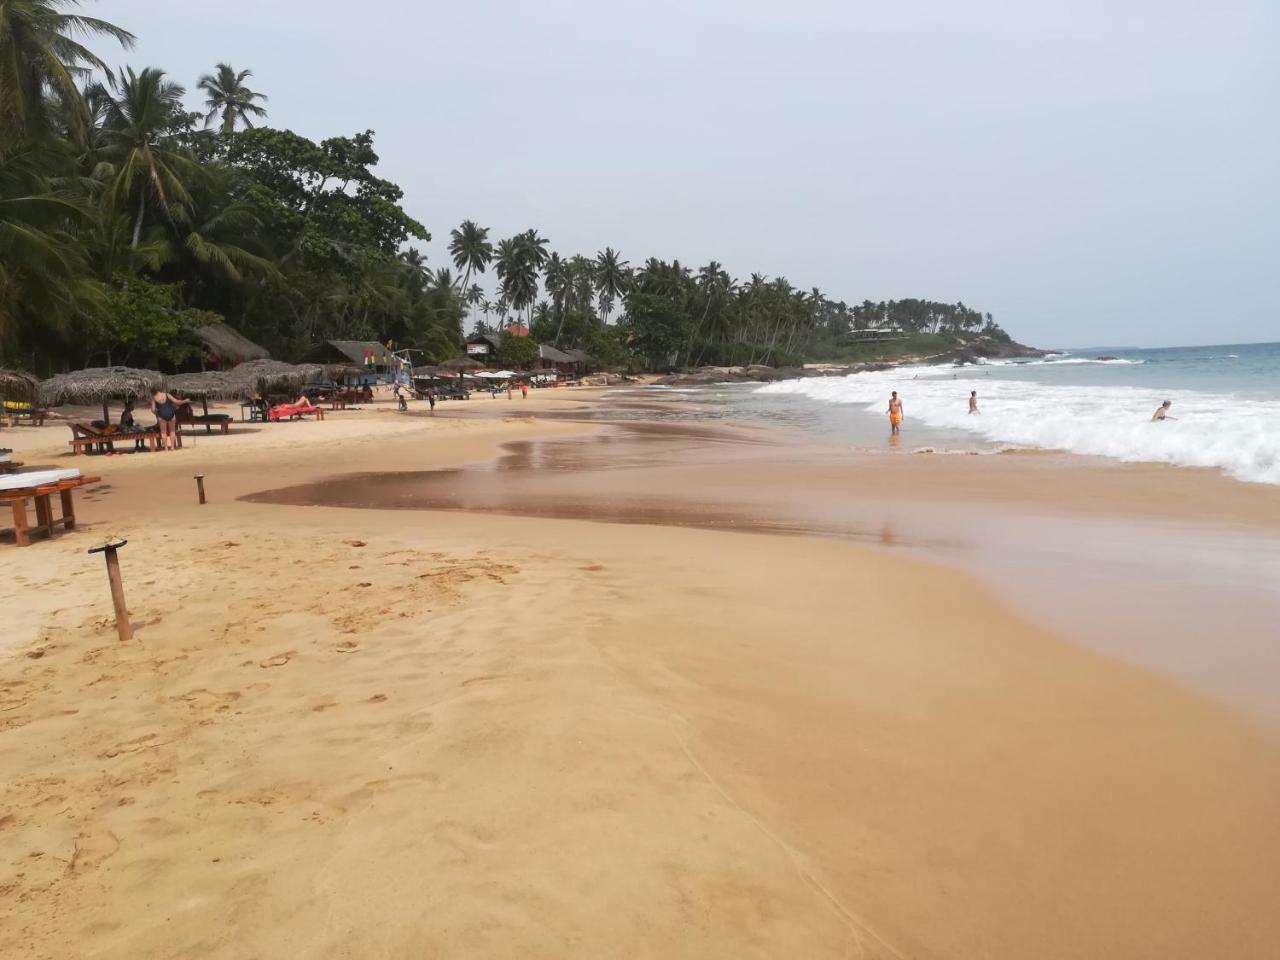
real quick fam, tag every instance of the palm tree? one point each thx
(45, 279)
(610, 279)
(228, 96)
(40, 56)
(475, 296)
(471, 250)
(415, 261)
(140, 110)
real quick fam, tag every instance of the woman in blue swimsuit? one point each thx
(165, 406)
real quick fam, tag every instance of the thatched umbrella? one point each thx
(100, 384)
(461, 364)
(211, 383)
(19, 385)
(264, 375)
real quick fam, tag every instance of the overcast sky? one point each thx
(1090, 172)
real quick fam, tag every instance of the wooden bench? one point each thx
(45, 520)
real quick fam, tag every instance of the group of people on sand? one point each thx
(896, 411)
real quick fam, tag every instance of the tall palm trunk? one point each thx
(137, 223)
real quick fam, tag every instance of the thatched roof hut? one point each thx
(462, 363)
(99, 385)
(19, 385)
(262, 376)
(229, 346)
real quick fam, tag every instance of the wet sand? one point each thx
(1143, 583)
(357, 731)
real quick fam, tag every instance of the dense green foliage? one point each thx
(125, 221)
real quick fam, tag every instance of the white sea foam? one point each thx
(1236, 434)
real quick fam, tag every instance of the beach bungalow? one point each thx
(369, 355)
(483, 347)
(225, 347)
(552, 360)
(584, 362)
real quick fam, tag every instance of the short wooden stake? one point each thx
(123, 627)
(200, 486)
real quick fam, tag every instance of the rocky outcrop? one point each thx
(975, 351)
(987, 349)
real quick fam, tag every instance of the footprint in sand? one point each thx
(131, 746)
(91, 849)
(279, 660)
(377, 698)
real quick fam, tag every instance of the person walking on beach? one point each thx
(524, 391)
(895, 414)
(1162, 412)
(431, 399)
(973, 402)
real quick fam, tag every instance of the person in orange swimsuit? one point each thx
(895, 413)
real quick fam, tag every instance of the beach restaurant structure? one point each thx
(369, 355)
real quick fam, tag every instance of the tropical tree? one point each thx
(42, 63)
(610, 279)
(142, 111)
(471, 250)
(229, 98)
(45, 279)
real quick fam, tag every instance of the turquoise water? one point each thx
(1245, 369)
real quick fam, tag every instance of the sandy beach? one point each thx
(535, 687)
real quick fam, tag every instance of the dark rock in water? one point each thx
(1106, 358)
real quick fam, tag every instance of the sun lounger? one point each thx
(39, 486)
(17, 412)
(87, 438)
(188, 418)
(294, 411)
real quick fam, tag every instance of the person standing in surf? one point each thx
(1162, 412)
(895, 414)
(973, 402)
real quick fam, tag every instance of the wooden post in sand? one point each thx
(200, 486)
(123, 627)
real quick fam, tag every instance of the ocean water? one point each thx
(1226, 405)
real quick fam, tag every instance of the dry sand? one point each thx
(353, 733)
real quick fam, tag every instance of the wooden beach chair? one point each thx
(294, 411)
(86, 438)
(187, 417)
(16, 411)
(39, 486)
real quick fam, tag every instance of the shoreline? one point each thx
(398, 731)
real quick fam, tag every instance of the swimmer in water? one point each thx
(973, 402)
(1162, 412)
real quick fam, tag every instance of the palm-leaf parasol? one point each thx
(100, 385)
(262, 376)
(18, 385)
